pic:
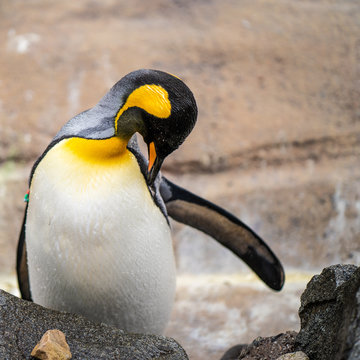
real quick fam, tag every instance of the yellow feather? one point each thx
(154, 99)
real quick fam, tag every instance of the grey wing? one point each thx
(228, 230)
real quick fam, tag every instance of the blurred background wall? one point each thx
(277, 84)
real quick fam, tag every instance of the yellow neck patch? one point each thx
(154, 99)
(97, 151)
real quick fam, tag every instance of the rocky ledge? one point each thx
(329, 315)
(330, 323)
(22, 324)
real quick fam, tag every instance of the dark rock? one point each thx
(330, 322)
(269, 348)
(330, 315)
(234, 352)
(22, 324)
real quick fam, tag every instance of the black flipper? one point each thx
(21, 264)
(201, 214)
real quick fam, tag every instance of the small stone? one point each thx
(299, 355)
(52, 346)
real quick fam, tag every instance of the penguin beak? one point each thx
(155, 163)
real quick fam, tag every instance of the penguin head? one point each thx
(157, 105)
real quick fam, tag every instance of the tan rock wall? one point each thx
(277, 85)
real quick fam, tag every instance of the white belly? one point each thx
(97, 244)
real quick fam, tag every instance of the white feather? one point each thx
(97, 244)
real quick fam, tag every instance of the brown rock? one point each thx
(298, 355)
(277, 141)
(260, 81)
(52, 346)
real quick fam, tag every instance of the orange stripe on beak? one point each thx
(152, 155)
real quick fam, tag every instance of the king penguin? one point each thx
(96, 237)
